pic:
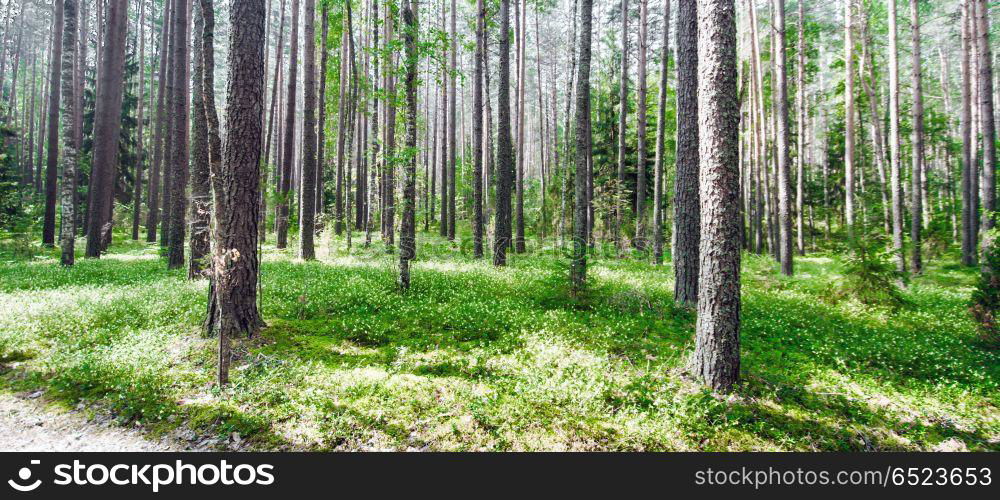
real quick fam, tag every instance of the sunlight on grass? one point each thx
(478, 358)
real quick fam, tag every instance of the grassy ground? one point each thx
(475, 358)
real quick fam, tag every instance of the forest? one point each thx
(499, 225)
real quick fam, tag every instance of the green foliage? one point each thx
(475, 358)
(870, 273)
(984, 305)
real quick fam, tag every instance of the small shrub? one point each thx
(985, 301)
(870, 274)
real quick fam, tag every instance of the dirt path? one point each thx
(26, 425)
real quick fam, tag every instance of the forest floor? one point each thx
(476, 358)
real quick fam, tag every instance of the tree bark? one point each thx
(661, 119)
(687, 232)
(288, 149)
(505, 150)
(986, 117)
(916, 206)
(407, 236)
(179, 131)
(895, 174)
(477, 132)
(153, 216)
(55, 75)
(717, 341)
(578, 264)
(236, 262)
(69, 159)
(622, 133)
(968, 168)
(307, 209)
(201, 187)
(849, 119)
(640, 169)
(782, 143)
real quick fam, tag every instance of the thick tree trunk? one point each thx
(201, 186)
(236, 258)
(69, 158)
(407, 229)
(505, 149)
(717, 340)
(687, 230)
(477, 132)
(55, 74)
(179, 131)
(578, 264)
(307, 209)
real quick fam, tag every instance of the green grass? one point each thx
(475, 358)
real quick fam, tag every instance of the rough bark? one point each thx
(407, 229)
(717, 342)
(288, 149)
(968, 168)
(782, 144)
(70, 152)
(687, 232)
(307, 209)
(179, 131)
(578, 264)
(505, 149)
(640, 169)
(477, 132)
(236, 259)
(55, 75)
(201, 187)
(986, 116)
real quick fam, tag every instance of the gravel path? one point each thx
(27, 425)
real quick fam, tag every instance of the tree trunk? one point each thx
(986, 117)
(288, 149)
(622, 132)
(139, 158)
(849, 118)
(55, 74)
(717, 340)
(916, 207)
(687, 230)
(179, 131)
(69, 159)
(505, 150)
(578, 264)
(640, 169)
(800, 157)
(270, 137)
(307, 209)
(477, 132)
(782, 143)
(407, 229)
(661, 119)
(519, 164)
(153, 217)
(236, 259)
(201, 187)
(968, 168)
(895, 174)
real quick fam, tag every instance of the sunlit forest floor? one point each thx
(475, 358)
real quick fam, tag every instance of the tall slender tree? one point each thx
(578, 264)
(782, 143)
(986, 116)
(505, 149)
(477, 131)
(153, 215)
(916, 207)
(687, 232)
(70, 151)
(180, 111)
(661, 119)
(307, 209)
(895, 169)
(201, 186)
(622, 130)
(849, 117)
(407, 230)
(55, 77)
(288, 149)
(640, 130)
(968, 167)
